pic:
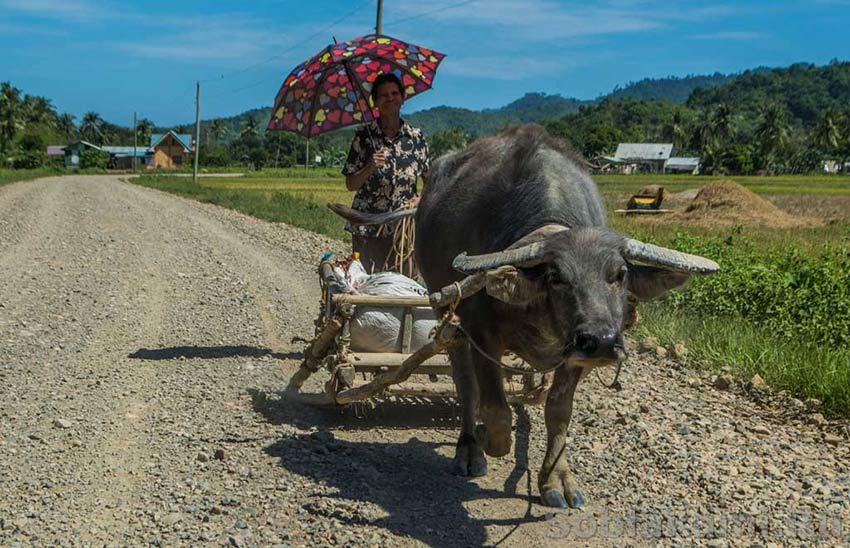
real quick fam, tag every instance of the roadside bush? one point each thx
(30, 160)
(796, 296)
(92, 158)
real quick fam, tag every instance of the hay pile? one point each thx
(722, 203)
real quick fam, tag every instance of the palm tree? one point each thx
(10, 114)
(65, 125)
(218, 129)
(722, 123)
(675, 132)
(250, 128)
(91, 127)
(39, 111)
(826, 135)
(144, 129)
(771, 133)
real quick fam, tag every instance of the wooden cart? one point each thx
(426, 371)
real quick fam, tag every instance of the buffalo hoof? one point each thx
(469, 459)
(556, 499)
(494, 445)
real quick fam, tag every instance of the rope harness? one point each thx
(404, 238)
(450, 313)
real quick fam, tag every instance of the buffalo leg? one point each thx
(494, 435)
(469, 458)
(556, 482)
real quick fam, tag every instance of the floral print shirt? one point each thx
(391, 186)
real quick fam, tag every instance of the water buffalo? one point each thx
(524, 200)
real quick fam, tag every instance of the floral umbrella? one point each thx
(331, 90)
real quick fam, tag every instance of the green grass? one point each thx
(271, 205)
(14, 175)
(743, 349)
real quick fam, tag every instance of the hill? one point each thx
(532, 107)
(805, 90)
(672, 88)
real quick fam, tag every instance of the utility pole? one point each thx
(135, 135)
(378, 22)
(307, 155)
(197, 132)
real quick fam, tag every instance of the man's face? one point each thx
(388, 99)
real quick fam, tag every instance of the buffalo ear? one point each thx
(514, 286)
(648, 282)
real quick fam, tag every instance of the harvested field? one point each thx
(722, 203)
(829, 208)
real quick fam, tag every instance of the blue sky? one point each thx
(116, 57)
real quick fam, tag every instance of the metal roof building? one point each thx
(643, 151)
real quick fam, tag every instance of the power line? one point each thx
(424, 13)
(287, 50)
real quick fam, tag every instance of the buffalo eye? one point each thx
(555, 280)
(619, 277)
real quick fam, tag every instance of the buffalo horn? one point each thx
(528, 255)
(668, 258)
(360, 218)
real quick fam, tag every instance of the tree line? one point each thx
(762, 121)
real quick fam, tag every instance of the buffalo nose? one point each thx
(594, 344)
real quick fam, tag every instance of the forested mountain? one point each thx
(672, 88)
(805, 90)
(532, 107)
(773, 121)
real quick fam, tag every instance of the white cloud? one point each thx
(221, 38)
(74, 10)
(732, 35)
(546, 20)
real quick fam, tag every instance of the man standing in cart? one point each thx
(386, 157)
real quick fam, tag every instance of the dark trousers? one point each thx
(374, 252)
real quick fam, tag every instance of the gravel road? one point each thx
(144, 342)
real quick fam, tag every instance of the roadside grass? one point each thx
(15, 175)
(775, 284)
(730, 344)
(269, 205)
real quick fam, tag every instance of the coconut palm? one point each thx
(144, 129)
(250, 127)
(91, 127)
(771, 133)
(826, 135)
(39, 111)
(65, 125)
(218, 129)
(11, 119)
(675, 131)
(722, 121)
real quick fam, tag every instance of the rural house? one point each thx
(74, 150)
(120, 157)
(649, 157)
(678, 164)
(169, 150)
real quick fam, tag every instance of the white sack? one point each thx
(379, 329)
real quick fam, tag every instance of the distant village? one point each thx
(169, 150)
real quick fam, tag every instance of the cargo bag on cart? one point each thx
(380, 329)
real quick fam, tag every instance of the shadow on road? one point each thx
(209, 352)
(410, 481)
